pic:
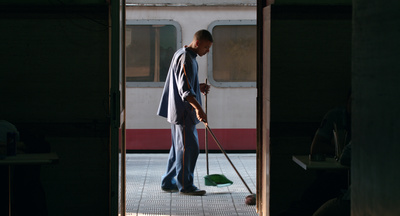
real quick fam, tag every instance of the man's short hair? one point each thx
(203, 35)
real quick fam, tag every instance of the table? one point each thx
(25, 159)
(30, 159)
(329, 163)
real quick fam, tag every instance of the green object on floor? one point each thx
(218, 180)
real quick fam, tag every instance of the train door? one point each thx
(117, 108)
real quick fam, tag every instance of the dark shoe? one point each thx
(170, 190)
(196, 192)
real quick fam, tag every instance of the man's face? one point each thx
(203, 47)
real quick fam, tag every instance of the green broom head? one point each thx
(218, 180)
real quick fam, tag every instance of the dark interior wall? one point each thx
(54, 83)
(310, 74)
(310, 61)
(376, 119)
(51, 63)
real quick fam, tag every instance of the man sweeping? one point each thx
(181, 105)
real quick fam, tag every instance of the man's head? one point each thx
(202, 41)
(203, 35)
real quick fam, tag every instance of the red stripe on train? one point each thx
(160, 139)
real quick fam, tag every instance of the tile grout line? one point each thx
(170, 204)
(202, 200)
(197, 175)
(230, 192)
(144, 184)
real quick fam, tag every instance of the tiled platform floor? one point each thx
(145, 197)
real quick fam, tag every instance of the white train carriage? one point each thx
(154, 32)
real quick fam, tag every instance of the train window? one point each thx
(233, 54)
(150, 46)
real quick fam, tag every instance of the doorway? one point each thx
(143, 123)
